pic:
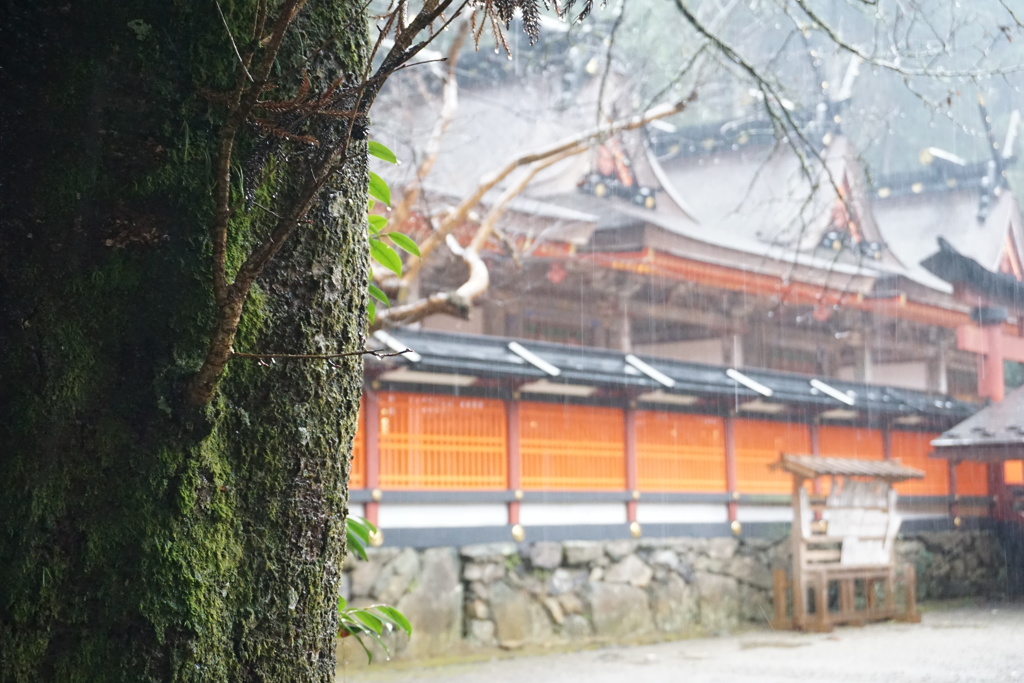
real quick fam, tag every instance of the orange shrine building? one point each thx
(673, 322)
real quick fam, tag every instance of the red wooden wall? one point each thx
(437, 442)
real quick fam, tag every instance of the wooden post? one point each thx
(780, 593)
(815, 431)
(632, 473)
(730, 465)
(1002, 507)
(797, 579)
(954, 497)
(910, 583)
(371, 404)
(870, 589)
(820, 581)
(991, 382)
(515, 469)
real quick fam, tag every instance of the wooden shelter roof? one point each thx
(1000, 424)
(811, 466)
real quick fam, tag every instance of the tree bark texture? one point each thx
(142, 538)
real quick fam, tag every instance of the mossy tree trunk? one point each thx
(143, 538)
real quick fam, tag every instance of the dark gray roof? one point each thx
(1000, 424)
(955, 268)
(491, 357)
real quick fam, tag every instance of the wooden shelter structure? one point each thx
(993, 436)
(843, 561)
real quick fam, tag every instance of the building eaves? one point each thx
(955, 268)
(1000, 424)
(474, 357)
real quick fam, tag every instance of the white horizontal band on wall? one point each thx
(398, 516)
(543, 514)
(764, 513)
(681, 513)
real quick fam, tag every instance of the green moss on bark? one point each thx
(143, 540)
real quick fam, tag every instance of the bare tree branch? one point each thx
(449, 105)
(457, 216)
(889, 65)
(376, 353)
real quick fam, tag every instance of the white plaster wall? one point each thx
(912, 375)
(681, 513)
(698, 351)
(764, 513)
(403, 516)
(543, 514)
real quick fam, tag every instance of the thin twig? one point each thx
(449, 104)
(376, 353)
(598, 134)
(270, 211)
(608, 62)
(238, 54)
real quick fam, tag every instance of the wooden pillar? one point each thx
(1002, 508)
(515, 468)
(954, 497)
(632, 473)
(797, 579)
(863, 365)
(624, 334)
(814, 428)
(371, 404)
(938, 370)
(988, 342)
(886, 442)
(991, 383)
(730, 465)
(735, 350)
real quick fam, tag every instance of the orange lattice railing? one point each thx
(679, 452)
(972, 479)
(442, 442)
(838, 441)
(357, 471)
(1014, 472)
(912, 449)
(572, 447)
(759, 444)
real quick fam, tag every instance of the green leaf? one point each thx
(377, 639)
(354, 545)
(357, 534)
(379, 189)
(386, 256)
(371, 314)
(377, 222)
(405, 242)
(342, 604)
(378, 150)
(371, 622)
(361, 527)
(377, 294)
(369, 655)
(395, 617)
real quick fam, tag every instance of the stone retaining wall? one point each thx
(507, 595)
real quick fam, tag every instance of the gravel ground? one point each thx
(983, 643)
